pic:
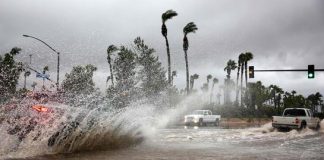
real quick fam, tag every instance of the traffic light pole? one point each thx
(311, 71)
(284, 70)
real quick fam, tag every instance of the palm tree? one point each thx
(209, 77)
(189, 28)
(192, 80)
(215, 80)
(33, 85)
(276, 99)
(240, 60)
(110, 50)
(248, 56)
(222, 88)
(26, 74)
(231, 65)
(319, 97)
(242, 56)
(44, 71)
(166, 16)
(218, 97)
(14, 51)
(174, 74)
(315, 99)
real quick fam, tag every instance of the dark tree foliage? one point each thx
(79, 81)
(151, 73)
(9, 73)
(124, 70)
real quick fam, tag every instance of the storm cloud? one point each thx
(280, 34)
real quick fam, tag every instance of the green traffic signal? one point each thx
(310, 75)
(311, 71)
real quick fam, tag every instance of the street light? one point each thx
(58, 58)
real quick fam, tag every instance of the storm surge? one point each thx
(66, 129)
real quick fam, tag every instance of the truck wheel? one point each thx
(216, 122)
(303, 125)
(201, 122)
(318, 126)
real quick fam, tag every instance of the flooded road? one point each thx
(132, 134)
(217, 143)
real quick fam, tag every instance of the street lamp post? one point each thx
(58, 58)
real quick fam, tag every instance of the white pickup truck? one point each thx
(296, 118)
(202, 117)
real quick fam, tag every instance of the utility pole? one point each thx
(58, 58)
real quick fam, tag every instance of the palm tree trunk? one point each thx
(169, 59)
(25, 82)
(246, 82)
(111, 74)
(211, 93)
(187, 72)
(242, 70)
(192, 84)
(224, 90)
(237, 79)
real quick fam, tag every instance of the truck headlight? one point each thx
(196, 119)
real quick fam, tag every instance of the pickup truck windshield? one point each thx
(198, 113)
(294, 112)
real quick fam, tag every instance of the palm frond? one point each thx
(215, 80)
(195, 76)
(14, 51)
(248, 56)
(111, 48)
(168, 15)
(190, 28)
(46, 68)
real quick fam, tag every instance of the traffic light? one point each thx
(311, 71)
(251, 71)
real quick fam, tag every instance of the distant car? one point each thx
(296, 118)
(201, 118)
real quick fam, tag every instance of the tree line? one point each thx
(135, 73)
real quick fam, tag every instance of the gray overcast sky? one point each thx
(280, 34)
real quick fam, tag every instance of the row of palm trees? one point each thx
(241, 67)
(189, 28)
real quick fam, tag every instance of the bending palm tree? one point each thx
(166, 16)
(248, 56)
(189, 28)
(192, 80)
(215, 80)
(26, 74)
(242, 55)
(174, 74)
(44, 72)
(231, 65)
(209, 77)
(110, 50)
(33, 85)
(240, 60)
